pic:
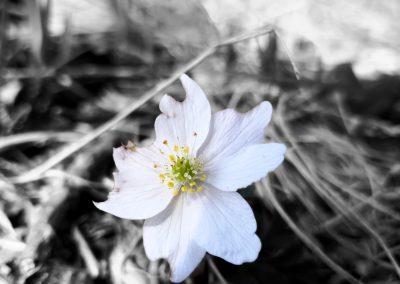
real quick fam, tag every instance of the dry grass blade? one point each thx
(74, 147)
(292, 64)
(29, 137)
(5, 224)
(86, 253)
(304, 238)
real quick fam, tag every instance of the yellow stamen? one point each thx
(183, 173)
(186, 150)
(165, 142)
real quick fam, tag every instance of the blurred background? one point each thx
(329, 214)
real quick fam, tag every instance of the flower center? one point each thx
(184, 172)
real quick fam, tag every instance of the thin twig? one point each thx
(85, 71)
(40, 136)
(90, 260)
(74, 147)
(295, 70)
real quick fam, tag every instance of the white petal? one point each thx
(138, 192)
(230, 131)
(227, 226)
(138, 159)
(169, 235)
(184, 123)
(244, 167)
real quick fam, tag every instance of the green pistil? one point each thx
(185, 170)
(183, 173)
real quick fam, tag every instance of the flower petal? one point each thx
(230, 131)
(244, 167)
(184, 123)
(169, 235)
(138, 158)
(227, 226)
(138, 192)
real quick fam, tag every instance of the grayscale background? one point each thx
(330, 214)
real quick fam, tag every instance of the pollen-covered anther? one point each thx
(186, 150)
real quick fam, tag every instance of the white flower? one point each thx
(185, 183)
